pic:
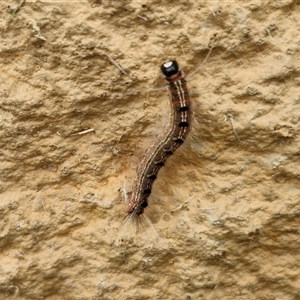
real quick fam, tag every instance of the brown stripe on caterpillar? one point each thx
(172, 137)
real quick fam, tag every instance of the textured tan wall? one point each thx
(225, 206)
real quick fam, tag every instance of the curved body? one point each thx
(165, 145)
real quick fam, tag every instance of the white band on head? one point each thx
(168, 64)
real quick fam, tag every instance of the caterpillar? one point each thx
(172, 137)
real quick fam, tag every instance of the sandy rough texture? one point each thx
(226, 206)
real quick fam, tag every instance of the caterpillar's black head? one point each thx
(170, 68)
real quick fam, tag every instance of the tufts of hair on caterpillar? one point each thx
(174, 135)
(138, 220)
(171, 138)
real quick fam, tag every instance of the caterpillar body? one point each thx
(172, 137)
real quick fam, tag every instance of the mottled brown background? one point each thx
(225, 206)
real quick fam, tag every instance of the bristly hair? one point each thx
(133, 221)
(172, 136)
(139, 223)
(132, 225)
